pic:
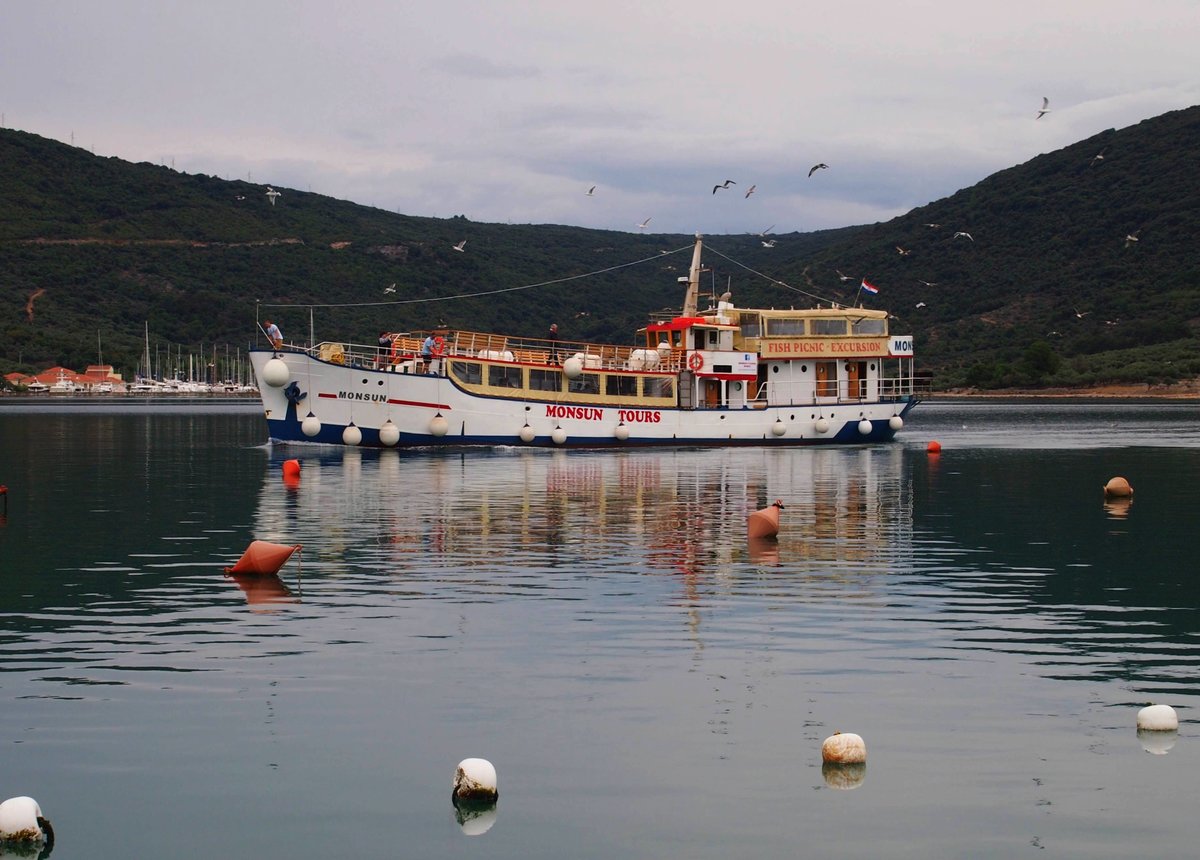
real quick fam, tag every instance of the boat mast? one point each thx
(693, 290)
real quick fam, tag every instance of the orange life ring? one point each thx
(439, 347)
(695, 361)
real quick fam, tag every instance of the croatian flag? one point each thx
(870, 289)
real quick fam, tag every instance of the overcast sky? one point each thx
(511, 111)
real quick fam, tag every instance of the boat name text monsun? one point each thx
(358, 395)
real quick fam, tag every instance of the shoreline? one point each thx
(1189, 390)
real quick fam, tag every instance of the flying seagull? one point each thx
(1045, 108)
(1080, 314)
(390, 289)
(921, 304)
(724, 184)
(928, 283)
(933, 225)
(461, 246)
(904, 252)
(642, 226)
(763, 233)
(1131, 238)
(842, 277)
(751, 191)
(964, 233)
(1099, 156)
(272, 194)
(591, 191)
(816, 167)
(768, 243)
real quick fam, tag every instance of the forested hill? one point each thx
(1045, 289)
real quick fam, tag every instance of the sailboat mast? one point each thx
(693, 290)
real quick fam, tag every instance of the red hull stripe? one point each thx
(395, 402)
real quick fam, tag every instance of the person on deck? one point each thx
(385, 349)
(273, 334)
(553, 338)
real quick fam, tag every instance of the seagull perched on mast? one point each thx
(816, 167)
(724, 184)
(1045, 108)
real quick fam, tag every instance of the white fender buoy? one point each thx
(527, 434)
(389, 433)
(310, 426)
(21, 821)
(895, 422)
(621, 432)
(351, 435)
(558, 435)
(778, 428)
(1118, 487)
(573, 367)
(439, 426)
(275, 373)
(1157, 718)
(844, 748)
(864, 427)
(475, 781)
(822, 426)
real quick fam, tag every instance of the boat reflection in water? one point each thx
(846, 511)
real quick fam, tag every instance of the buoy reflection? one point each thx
(475, 819)
(1157, 743)
(844, 777)
(763, 550)
(263, 588)
(1118, 508)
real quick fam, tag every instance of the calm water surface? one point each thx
(647, 683)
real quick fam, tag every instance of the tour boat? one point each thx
(724, 376)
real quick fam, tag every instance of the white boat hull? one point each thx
(433, 411)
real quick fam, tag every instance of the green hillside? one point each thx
(1046, 291)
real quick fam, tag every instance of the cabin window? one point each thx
(750, 328)
(587, 383)
(658, 386)
(467, 371)
(722, 368)
(621, 386)
(545, 380)
(829, 327)
(504, 377)
(869, 326)
(785, 327)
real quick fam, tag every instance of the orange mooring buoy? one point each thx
(934, 447)
(291, 468)
(765, 523)
(263, 557)
(1118, 487)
